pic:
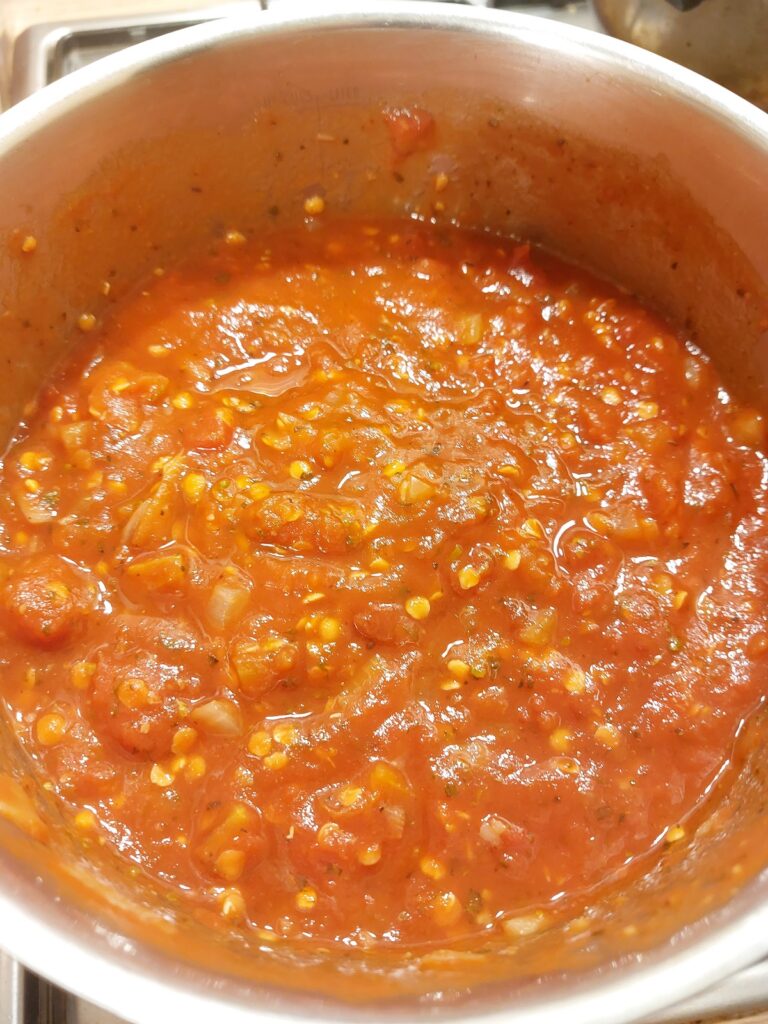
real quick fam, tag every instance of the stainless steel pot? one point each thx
(613, 157)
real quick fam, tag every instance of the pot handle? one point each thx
(685, 5)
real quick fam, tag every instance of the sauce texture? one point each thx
(381, 583)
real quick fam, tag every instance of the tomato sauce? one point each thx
(382, 583)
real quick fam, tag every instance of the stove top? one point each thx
(46, 52)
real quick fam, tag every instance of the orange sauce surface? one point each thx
(381, 583)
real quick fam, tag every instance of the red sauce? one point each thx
(383, 583)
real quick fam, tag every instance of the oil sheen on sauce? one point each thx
(383, 583)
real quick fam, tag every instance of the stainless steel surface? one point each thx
(743, 993)
(22, 995)
(47, 51)
(78, 1011)
(11, 991)
(26, 998)
(726, 40)
(559, 74)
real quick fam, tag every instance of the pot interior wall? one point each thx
(655, 194)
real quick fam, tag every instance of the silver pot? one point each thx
(614, 158)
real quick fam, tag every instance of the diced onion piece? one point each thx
(151, 520)
(165, 572)
(540, 627)
(413, 490)
(218, 718)
(75, 435)
(470, 329)
(226, 604)
(394, 816)
(748, 428)
(529, 924)
(450, 960)
(492, 829)
(17, 807)
(39, 508)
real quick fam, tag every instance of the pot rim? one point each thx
(99, 969)
(107, 73)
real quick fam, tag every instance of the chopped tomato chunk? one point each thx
(46, 602)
